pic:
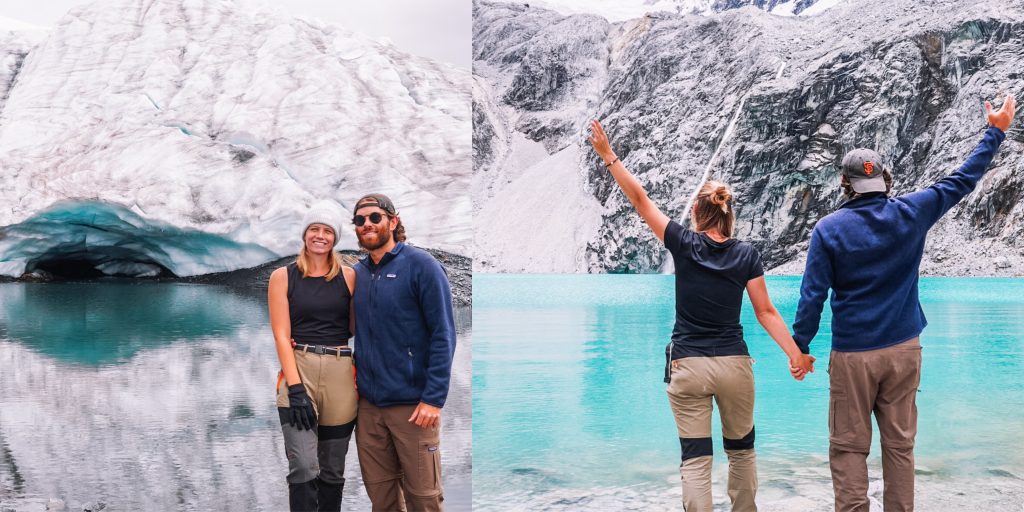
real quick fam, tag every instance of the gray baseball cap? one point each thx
(863, 167)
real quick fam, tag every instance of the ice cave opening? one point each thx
(63, 263)
(90, 239)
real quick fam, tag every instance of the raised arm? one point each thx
(772, 322)
(933, 202)
(655, 219)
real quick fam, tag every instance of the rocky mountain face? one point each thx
(799, 92)
(199, 118)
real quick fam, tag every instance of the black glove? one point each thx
(300, 408)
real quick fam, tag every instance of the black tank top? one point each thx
(318, 309)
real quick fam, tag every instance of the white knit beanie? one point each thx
(323, 212)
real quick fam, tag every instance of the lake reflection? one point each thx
(150, 396)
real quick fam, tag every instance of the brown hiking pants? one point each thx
(401, 463)
(885, 382)
(730, 381)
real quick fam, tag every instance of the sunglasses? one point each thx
(374, 218)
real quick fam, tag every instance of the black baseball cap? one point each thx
(379, 200)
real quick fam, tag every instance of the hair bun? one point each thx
(721, 197)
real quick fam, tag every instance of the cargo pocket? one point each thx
(838, 418)
(430, 468)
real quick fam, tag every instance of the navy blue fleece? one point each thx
(869, 252)
(405, 329)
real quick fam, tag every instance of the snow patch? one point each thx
(540, 221)
(819, 7)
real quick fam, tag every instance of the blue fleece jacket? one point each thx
(869, 253)
(405, 329)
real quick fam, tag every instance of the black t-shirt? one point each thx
(710, 279)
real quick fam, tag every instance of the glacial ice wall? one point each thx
(802, 91)
(231, 121)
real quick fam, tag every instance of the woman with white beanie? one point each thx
(310, 304)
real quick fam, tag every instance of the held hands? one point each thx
(599, 140)
(801, 365)
(1004, 116)
(426, 416)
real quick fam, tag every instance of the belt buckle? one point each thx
(320, 349)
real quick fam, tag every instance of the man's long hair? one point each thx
(399, 231)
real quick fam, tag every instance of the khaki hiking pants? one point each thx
(401, 463)
(883, 382)
(330, 383)
(729, 380)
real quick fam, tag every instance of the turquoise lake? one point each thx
(160, 396)
(570, 410)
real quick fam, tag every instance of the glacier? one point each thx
(799, 91)
(225, 119)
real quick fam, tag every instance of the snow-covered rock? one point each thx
(213, 118)
(799, 91)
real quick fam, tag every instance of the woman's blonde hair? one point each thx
(305, 263)
(713, 209)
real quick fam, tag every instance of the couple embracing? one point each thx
(397, 304)
(868, 253)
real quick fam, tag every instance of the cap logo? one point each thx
(869, 168)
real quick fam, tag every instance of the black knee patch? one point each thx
(335, 431)
(747, 443)
(695, 447)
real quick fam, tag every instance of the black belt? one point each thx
(343, 351)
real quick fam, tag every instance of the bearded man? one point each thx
(404, 343)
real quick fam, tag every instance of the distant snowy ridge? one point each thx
(617, 10)
(801, 91)
(229, 121)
